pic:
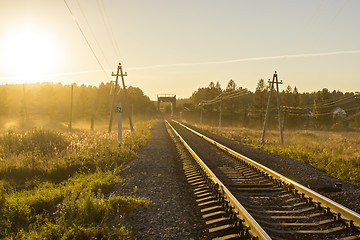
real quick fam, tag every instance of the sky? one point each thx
(176, 47)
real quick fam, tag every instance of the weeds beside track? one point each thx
(56, 185)
(332, 152)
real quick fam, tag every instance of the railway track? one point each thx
(241, 199)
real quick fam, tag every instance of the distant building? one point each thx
(339, 112)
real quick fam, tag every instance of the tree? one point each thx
(322, 111)
(218, 85)
(229, 104)
(259, 106)
(231, 86)
(296, 97)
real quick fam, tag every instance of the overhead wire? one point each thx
(310, 113)
(88, 43)
(321, 114)
(92, 32)
(108, 28)
(111, 29)
(325, 104)
(225, 95)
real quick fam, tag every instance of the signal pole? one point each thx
(274, 81)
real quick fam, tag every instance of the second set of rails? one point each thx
(254, 201)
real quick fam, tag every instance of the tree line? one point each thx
(51, 102)
(322, 109)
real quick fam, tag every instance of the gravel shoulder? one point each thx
(157, 174)
(347, 195)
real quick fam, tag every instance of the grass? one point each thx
(336, 153)
(57, 185)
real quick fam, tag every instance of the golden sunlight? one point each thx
(28, 53)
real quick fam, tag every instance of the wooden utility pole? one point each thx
(279, 108)
(25, 106)
(220, 112)
(71, 105)
(274, 81)
(201, 113)
(118, 74)
(132, 111)
(114, 99)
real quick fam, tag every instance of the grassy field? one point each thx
(57, 185)
(336, 153)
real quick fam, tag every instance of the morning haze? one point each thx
(176, 47)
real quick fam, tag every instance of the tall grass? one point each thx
(336, 153)
(56, 185)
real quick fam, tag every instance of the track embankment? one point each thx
(347, 194)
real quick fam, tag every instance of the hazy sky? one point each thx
(169, 46)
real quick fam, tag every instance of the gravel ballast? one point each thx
(157, 174)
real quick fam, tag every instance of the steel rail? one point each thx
(254, 228)
(339, 211)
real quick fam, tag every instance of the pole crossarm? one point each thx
(119, 75)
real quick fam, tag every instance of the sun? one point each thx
(28, 53)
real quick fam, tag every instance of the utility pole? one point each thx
(220, 112)
(132, 111)
(71, 105)
(279, 109)
(114, 99)
(201, 113)
(274, 81)
(25, 106)
(122, 75)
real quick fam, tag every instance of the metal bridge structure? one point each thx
(167, 98)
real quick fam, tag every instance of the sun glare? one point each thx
(28, 53)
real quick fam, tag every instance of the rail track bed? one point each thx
(243, 199)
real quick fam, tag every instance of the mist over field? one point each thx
(48, 105)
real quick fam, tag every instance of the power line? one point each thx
(111, 30)
(325, 104)
(82, 33)
(108, 27)
(225, 95)
(319, 114)
(92, 32)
